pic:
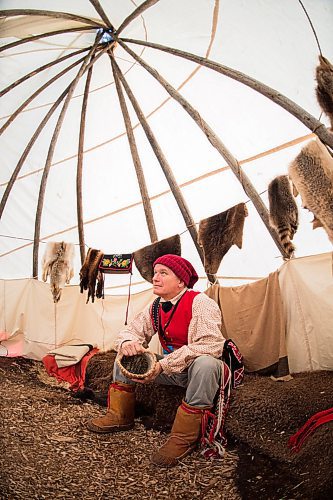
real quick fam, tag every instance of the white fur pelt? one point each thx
(58, 264)
(311, 173)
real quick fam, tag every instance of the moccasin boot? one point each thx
(120, 413)
(184, 435)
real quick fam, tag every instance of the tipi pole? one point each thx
(144, 6)
(36, 93)
(50, 13)
(99, 9)
(217, 144)
(136, 159)
(42, 35)
(27, 151)
(189, 222)
(41, 68)
(80, 167)
(303, 116)
(85, 66)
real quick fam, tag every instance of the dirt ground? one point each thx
(46, 452)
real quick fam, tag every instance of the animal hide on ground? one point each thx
(312, 176)
(145, 257)
(219, 232)
(324, 90)
(89, 275)
(283, 211)
(57, 263)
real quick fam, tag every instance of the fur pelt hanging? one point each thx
(57, 263)
(90, 274)
(145, 257)
(324, 90)
(283, 211)
(311, 173)
(219, 232)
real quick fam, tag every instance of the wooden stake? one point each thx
(217, 144)
(303, 116)
(189, 222)
(144, 6)
(41, 68)
(135, 156)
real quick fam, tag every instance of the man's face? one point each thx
(165, 283)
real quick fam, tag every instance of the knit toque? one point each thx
(182, 268)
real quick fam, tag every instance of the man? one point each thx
(188, 324)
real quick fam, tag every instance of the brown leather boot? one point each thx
(120, 413)
(184, 435)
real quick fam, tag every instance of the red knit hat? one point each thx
(182, 268)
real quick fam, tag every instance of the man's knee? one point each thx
(205, 364)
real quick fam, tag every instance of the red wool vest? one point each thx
(176, 333)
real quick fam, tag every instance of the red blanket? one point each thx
(74, 374)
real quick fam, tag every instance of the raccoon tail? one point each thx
(285, 238)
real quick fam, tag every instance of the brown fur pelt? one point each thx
(324, 90)
(312, 176)
(283, 211)
(145, 257)
(89, 274)
(57, 263)
(219, 232)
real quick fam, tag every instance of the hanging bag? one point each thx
(116, 263)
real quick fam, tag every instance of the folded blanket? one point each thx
(68, 355)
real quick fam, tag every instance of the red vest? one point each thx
(176, 332)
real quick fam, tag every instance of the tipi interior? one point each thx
(130, 129)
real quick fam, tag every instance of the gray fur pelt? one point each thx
(312, 176)
(90, 274)
(283, 211)
(219, 232)
(145, 257)
(57, 263)
(324, 90)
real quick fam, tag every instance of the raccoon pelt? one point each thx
(145, 257)
(57, 263)
(311, 173)
(218, 233)
(283, 211)
(324, 90)
(89, 274)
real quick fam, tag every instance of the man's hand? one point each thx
(131, 348)
(148, 380)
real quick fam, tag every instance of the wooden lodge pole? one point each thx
(144, 6)
(85, 66)
(136, 159)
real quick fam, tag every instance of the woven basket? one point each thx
(140, 366)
